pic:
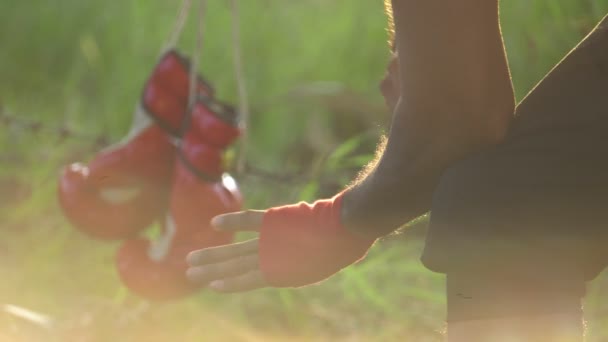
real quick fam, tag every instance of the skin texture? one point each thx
(449, 89)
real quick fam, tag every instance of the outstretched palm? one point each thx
(231, 268)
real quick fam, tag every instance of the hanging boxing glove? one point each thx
(214, 123)
(155, 270)
(167, 92)
(125, 188)
(122, 191)
(200, 190)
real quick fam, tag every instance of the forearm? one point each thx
(391, 191)
(456, 98)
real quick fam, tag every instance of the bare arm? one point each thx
(455, 99)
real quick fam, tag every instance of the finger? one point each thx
(231, 268)
(245, 282)
(250, 220)
(222, 253)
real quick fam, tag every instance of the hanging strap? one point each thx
(196, 55)
(194, 62)
(178, 27)
(239, 73)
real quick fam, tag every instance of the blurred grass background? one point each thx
(312, 69)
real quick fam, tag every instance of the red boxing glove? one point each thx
(201, 190)
(122, 191)
(214, 122)
(166, 92)
(125, 187)
(161, 279)
(302, 244)
(160, 276)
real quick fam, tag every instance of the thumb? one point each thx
(249, 220)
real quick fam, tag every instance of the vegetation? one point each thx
(312, 69)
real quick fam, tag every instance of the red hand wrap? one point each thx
(302, 244)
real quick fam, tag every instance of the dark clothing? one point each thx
(533, 211)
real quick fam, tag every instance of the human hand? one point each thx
(299, 245)
(230, 268)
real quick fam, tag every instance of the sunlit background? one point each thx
(71, 73)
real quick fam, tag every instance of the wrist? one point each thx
(351, 214)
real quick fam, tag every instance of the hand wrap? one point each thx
(303, 243)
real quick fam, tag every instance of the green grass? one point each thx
(81, 64)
